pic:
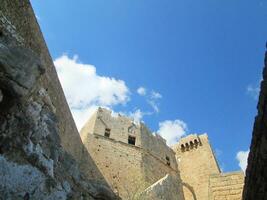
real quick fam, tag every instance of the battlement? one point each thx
(191, 142)
(119, 127)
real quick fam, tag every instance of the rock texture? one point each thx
(19, 27)
(256, 173)
(39, 143)
(33, 164)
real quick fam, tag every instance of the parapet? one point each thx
(190, 142)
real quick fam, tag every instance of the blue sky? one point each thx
(203, 57)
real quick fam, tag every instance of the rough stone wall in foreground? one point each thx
(18, 20)
(256, 173)
(226, 186)
(38, 138)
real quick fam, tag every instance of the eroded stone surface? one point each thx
(19, 70)
(33, 164)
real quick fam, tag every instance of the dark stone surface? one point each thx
(256, 174)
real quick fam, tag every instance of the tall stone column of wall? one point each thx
(196, 162)
(25, 28)
(38, 137)
(256, 173)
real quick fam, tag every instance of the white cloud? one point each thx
(141, 91)
(154, 105)
(137, 116)
(242, 157)
(152, 100)
(85, 90)
(155, 95)
(172, 131)
(81, 116)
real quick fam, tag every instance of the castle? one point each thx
(42, 155)
(136, 163)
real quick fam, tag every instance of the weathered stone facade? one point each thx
(39, 141)
(147, 167)
(200, 173)
(226, 186)
(128, 168)
(196, 162)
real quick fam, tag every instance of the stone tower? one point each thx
(196, 162)
(200, 173)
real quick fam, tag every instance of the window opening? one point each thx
(168, 160)
(131, 140)
(107, 132)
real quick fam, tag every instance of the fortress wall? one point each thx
(196, 162)
(118, 125)
(120, 164)
(158, 147)
(125, 167)
(17, 18)
(226, 186)
(121, 127)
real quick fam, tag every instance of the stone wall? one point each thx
(38, 137)
(256, 173)
(119, 163)
(226, 186)
(129, 169)
(196, 162)
(122, 127)
(18, 19)
(165, 188)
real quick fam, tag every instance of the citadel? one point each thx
(44, 157)
(139, 165)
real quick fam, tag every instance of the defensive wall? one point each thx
(127, 154)
(227, 186)
(200, 173)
